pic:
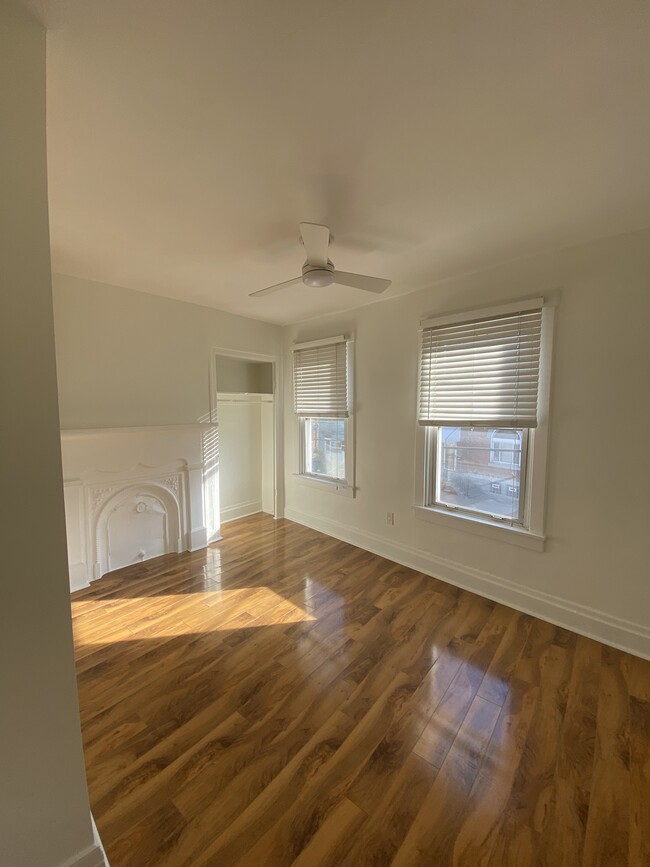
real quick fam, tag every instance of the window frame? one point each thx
(531, 533)
(321, 477)
(509, 465)
(345, 487)
(433, 443)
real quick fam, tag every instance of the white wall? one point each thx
(240, 460)
(239, 376)
(593, 575)
(44, 811)
(245, 454)
(127, 359)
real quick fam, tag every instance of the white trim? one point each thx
(346, 486)
(325, 341)
(599, 625)
(98, 467)
(243, 354)
(83, 433)
(178, 533)
(432, 502)
(278, 408)
(535, 492)
(474, 524)
(328, 485)
(78, 573)
(198, 539)
(243, 397)
(302, 445)
(91, 856)
(241, 510)
(534, 506)
(484, 312)
(215, 352)
(98, 841)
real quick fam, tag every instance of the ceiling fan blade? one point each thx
(360, 281)
(277, 287)
(316, 240)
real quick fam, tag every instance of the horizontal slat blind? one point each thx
(320, 380)
(481, 373)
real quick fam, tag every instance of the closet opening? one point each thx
(244, 446)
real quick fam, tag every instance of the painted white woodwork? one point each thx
(246, 452)
(267, 453)
(132, 494)
(139, 527)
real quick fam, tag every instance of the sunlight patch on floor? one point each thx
(142, 617)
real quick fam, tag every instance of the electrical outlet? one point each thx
(390, 518)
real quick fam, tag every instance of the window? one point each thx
(321, 402)
(483, 405)
(473, 480)
(324, 447)
(505, 448)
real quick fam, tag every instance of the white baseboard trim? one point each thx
(615, 631)
(78, 576)
(98, 843)
(93, 856)
(198, 538)
(240, 510)
(214, 536)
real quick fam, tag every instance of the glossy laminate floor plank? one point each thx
(283, 698)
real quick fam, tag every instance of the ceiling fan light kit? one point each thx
(318, 271)
(318, 278)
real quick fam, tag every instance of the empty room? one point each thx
(325, 431)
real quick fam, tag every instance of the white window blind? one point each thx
(482, 372)
(320, 379)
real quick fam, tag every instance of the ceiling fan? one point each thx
(318, 271)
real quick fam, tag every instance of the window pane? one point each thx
(325, 447)
(479, 469)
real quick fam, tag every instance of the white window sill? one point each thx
(329, 485)
(478, 526)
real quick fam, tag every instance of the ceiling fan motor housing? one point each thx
(318, 276)
(318, 271)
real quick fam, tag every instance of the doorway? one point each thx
(244, 410)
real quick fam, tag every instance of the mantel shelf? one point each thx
(81, 433)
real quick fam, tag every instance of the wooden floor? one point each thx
(283, 698)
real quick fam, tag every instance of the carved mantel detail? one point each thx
(98, 496)
(171, 482)
(160, 467)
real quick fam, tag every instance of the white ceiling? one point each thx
(187, 140)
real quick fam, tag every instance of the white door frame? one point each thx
(278, 454)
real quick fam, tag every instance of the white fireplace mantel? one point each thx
(132, 494)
